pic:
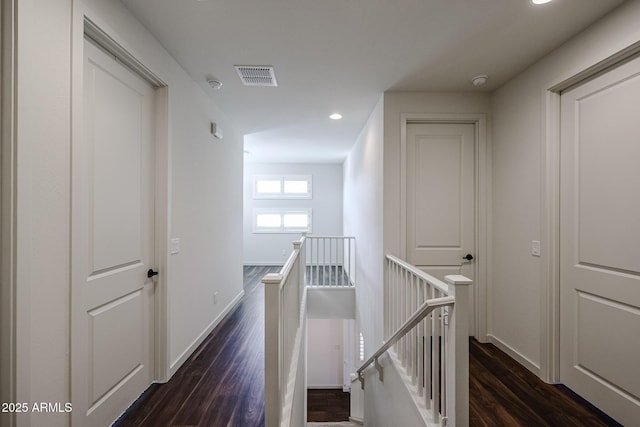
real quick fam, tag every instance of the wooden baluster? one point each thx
(421, 343)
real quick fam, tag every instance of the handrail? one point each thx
(436, 283)
(424, 310)
(288, 266)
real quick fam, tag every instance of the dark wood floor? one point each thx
(222, 383)
(328, 405)
(504, 393)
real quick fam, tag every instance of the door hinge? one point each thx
(445, 421)
(445, 316)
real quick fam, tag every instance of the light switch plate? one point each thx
(535, 247)
(175, 246)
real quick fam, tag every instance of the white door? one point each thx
(440, 197)
(600, 242)
(112, 242)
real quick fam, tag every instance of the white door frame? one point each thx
(482, 194)
(84, 26)
(7, 211)
(550, 202)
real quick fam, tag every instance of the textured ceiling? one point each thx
(341, 55)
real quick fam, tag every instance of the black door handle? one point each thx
(468, 257)
(151, 273)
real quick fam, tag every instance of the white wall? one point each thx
(274, 248)
(375, 156)
(43, 130)
(363, 203)
(519, 307)
(331, 303)
(203, 173)
(372, 192)
(325, 354)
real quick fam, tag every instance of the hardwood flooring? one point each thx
(504, 393)
(222, 383)
(328, 405)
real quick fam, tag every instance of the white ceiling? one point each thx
(341, 55)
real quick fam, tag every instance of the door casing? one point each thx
(550, 203)
(7, 211)
(482, 202)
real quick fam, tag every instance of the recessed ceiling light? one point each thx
(335, 116)
(540, 1)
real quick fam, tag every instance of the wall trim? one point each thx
(326, 387)
(100, 37)
(515, 354)
(482, 202)
(8, 213)
(194, 345)
(549, 369)
(263, 264)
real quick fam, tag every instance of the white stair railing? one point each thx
(331, 261)
(426, 322)
(285, 317)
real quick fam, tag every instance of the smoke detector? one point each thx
(256, 75)
(214, 83)
(480, 80)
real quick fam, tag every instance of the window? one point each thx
(281, 220)
(282, 187)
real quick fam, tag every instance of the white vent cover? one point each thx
(257, 75)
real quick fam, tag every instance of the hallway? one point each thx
(222, 383)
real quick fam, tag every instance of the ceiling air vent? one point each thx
(257, 75)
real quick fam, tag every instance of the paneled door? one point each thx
(600, 242)
(440, 199)
(112, 241)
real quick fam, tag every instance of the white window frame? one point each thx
(282, 179)
(282, 229)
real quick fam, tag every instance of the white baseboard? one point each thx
(519, 357)
(263, 264)
(325, 387)
(194, 345)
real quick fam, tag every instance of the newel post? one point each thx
(303, 259)
(272, 349)
(458, 352)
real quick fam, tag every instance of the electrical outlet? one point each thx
(215, 297)
(284, 252)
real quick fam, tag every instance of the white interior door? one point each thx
(440, 198)
(113, 241)
(600, 242)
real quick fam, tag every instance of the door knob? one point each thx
(468, 257)
(151, 273)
